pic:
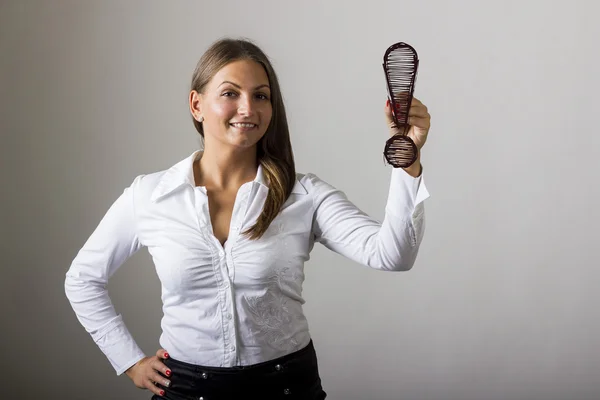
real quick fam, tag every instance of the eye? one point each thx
(262, 96)
(229, 94)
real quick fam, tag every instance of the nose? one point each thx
(246, 106)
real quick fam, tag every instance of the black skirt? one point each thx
(295, 376)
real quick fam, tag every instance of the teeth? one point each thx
(243, 125)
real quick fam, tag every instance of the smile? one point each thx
(243, 125)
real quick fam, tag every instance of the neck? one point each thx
(225, 169)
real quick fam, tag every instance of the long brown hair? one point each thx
(274, 149)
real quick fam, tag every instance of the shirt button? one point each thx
(278, 367)
(229, 316)
(232, 348)
(287, 391)
(204, 375)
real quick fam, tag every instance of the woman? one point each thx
(229, 229)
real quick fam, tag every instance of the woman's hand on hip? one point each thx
(146, 373)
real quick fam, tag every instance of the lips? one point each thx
(244, 126)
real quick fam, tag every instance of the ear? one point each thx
(195, 101)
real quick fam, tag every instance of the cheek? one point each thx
(223, 110)
(267, 114)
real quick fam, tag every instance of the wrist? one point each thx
(130, 371)
(415, 168)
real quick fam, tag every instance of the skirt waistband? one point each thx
(294, 376)
(306, 353)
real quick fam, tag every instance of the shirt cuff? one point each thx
(118, 346)
(406, 193)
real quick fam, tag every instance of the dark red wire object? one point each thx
(400, 64)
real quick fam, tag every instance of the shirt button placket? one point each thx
(226, 298)
(229, 308)
(229, 337)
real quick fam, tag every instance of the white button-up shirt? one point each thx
(240, 303)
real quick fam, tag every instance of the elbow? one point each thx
(77, 285)
(401, 263)
(404, 266)
(70, 286)
(399, 252)
(401, 266)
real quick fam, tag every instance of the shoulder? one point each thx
(144, 186)
(314, 184)
(157, 185)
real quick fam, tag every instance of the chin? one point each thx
(245, 141)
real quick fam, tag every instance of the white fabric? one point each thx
(240, 303)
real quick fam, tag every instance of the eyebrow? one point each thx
(239, 87)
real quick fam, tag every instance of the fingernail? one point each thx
(166, 355)
(387, 103)
(167, 383)
(162, 392)
(168, 373)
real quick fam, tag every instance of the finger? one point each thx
(388, 116)
(388, 111)
(416, 106)
(402, 97)
(153, 388)
(418, 112)
(162, 353)
(418, 115)
(157, 379)
(416, 102)
(423, 123)
(159, 366)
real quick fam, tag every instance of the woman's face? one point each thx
(236, 105)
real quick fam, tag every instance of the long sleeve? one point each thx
(110, 245)
(390, 245)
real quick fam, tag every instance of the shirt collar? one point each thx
(182, 174)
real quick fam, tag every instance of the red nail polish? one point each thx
(166, 355)
(387, 103)
(168, 373)
(162, 392)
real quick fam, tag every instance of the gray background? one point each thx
(502, 302)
